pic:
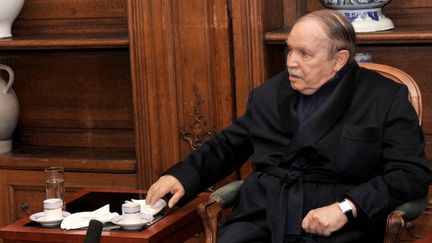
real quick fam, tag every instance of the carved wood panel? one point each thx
(180, 52)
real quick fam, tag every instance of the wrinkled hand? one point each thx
(324, 220)
(166, 184)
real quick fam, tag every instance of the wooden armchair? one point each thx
(225, 197)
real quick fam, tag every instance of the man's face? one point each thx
(309, 63)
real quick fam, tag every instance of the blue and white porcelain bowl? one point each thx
(365, 15)
(363, 57)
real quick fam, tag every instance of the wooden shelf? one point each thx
(401, 34)
(74, 159)
(64, 42)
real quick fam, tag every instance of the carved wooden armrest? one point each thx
(209, 211)
(401, 216)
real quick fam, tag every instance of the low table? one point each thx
(172, 225)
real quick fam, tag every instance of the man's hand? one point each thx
(166, 184)
(325, 220)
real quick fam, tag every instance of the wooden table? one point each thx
(175, 226)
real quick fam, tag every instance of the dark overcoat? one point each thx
(363, 143)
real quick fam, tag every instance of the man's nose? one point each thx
(291, 60)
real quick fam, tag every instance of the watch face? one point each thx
(345, 206)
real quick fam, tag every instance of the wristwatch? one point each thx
(346, 208)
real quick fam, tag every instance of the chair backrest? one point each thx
(402, 77)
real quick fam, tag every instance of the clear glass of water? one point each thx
(54, 182)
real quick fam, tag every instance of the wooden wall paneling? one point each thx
(244, 30)
(203, 67)
(311, 6)
(65, 18)
(179, 55)
(293, 9)
(73, 159)
(141, 36)
(410, 13)
(4, 203)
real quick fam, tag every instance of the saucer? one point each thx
(40, 218)
(144, 219)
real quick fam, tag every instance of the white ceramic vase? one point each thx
(9, 10)
(365, 15)
(9, 110)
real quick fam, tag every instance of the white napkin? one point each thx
(147, 209)
(82, 219)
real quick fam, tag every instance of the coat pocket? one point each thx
(358, 150)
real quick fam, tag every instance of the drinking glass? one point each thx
(55, 183)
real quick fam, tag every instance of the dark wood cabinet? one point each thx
(115, 91)
(73, 82)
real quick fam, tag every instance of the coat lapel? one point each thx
(325, 117)
(286, 99)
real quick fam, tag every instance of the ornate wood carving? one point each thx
(171, 44)
(198, 131)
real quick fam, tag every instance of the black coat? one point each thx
(363, 143)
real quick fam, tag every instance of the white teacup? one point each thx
(131, 213)
(53, 208)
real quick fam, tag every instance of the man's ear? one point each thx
(341, 58)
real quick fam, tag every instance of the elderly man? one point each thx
(335, 147)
